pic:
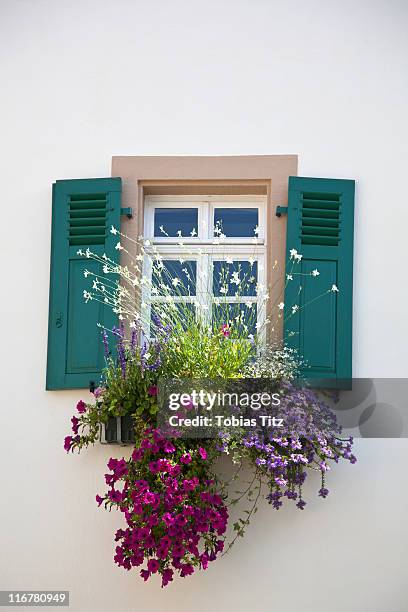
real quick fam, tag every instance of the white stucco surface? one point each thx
(84, 80)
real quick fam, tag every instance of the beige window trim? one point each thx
(188, 175)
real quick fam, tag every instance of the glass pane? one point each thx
(174, 278)
(241, 318)
(235, 277)
(235, 222)
(172, 315)
(175, 222)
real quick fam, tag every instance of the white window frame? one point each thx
(204, 247)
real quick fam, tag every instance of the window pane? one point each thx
(174, 220)
(174, 278)
(163, 314)
(240, 317)
(235, 277)
(235, 222)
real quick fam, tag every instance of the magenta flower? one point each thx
(137, 454)
(75, 424)
(186, 459)
(167, 576)
(203, 453)
(152, 391)
(153, 565)
(81, 407)
(169, 447)
(145, 574)
(186, 570)
(68, 443)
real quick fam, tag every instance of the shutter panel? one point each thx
(320, 227)
(83, 211)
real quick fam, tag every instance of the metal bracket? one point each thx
(281, 210)
(127, 211)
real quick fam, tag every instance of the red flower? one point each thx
(225, 329)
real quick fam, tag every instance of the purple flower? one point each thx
(98, 392)
(105, 343)
(323, 492)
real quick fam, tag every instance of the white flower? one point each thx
(289, 277)
(175, 281)
(281, 306)
(298, 257)
(295, 308)
(87, 296)
(235, 280)
(88, 253)
(224, 290)
(193, 232)
(256, 230)
(251, 261)
(248, 304)
(119, 247)
(315, 272)
(133, 325)
(229, 260)
(105, 269)
(334, 288)
(95, 284)
(179, 234)
(147, 243)
(293, 253)
(113, 230)
(80, 252)
(86, 273)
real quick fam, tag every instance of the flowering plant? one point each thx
(174, 503)
(170, 505)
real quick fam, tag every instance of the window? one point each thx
(211, 256)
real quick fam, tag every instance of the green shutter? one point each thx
(83, 211)
(320, 228)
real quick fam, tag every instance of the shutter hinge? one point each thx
(281, 210)
(92, 386)
(127, 211)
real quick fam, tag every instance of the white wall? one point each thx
(82, 80)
